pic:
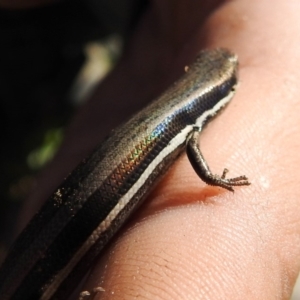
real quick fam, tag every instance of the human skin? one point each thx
(190, 240)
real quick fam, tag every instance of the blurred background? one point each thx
(52, 56)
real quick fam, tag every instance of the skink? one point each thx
(60, 243)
